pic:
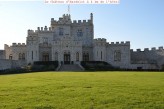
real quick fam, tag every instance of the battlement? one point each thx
(120, 43)
(75, 22)
(30, 31)
(40, 29)
(99, 40)
(148, 50)
(6, 46)
(15, 45)
(66, 16)
(18, 44)
(44, 29)
(66, 19)
(81, 22)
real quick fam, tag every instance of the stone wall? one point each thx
(2, 54)
(124, 49)
(14, 50)
(153, 56)
(100, 49)
(143, 66)
(32, 48)
(88, 50)
(6, 64)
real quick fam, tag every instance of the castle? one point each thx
(68, 41)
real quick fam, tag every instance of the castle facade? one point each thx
(70, 42)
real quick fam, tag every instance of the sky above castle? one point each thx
(139, 21)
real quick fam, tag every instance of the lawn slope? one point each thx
(82, 90)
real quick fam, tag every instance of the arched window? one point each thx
(77, 56)
(20, 56)
(56, 56)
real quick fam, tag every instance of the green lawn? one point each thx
(82, 90)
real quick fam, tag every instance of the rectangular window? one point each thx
(10, 56)
(45, 40)
(79, 32)
(32, 55)
(61, 31)
(101, 55)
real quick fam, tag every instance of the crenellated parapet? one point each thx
(99, 42)
(75, 22)
(127, 43)
(29, 32)
(39, 30)
(153, 49)
(6, 46)
(82, 22)
(15, 45)
(18, 45)
(44, 29)
(66, 19)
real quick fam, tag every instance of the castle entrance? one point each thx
(67, 58)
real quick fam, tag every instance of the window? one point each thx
(56, 56)
(85, 56)
(10, 56)
(45, 57)
(77, 56)
(61, 31)
(32, 55)
(45, 40)
(79, 32)
(117, 55)
(101, 55)
(21, 56)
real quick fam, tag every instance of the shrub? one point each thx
(97, 66)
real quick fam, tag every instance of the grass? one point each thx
(82, 90)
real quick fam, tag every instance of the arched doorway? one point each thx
(45, 57)
(67, 58)
(85, 56)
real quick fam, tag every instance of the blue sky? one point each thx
(139, 21)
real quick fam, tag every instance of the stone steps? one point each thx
(70, 67)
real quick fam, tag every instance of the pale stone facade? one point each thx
(63, 41)
(70, 41)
